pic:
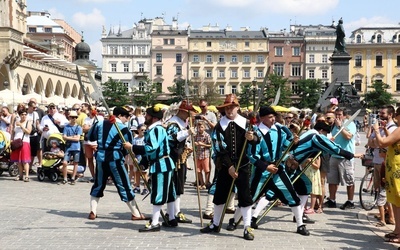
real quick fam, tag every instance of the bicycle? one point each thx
(368, 193)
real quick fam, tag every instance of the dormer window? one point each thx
(358, 39)
(379, 38)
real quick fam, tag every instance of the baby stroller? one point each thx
(51, 162)
(5, 150)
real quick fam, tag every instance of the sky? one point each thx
(90, 16)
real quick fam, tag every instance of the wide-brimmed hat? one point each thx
(322, 125)
(267, 110)
(230, 100)
(155, 112)
(185, 106)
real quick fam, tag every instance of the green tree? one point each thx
(177, 91)
(378, 97)
(272, 86)
(147, 93)
(115, 93)
(309, 91)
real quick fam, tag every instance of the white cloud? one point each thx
(370, 22)
(183, 26)
(55, 14)
(95, 53)
(90, 20)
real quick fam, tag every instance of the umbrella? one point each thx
(280, 109)
(161, 106)
(197, 108)
(368, 110)
(212, 108)
(294, 109)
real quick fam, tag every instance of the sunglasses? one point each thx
(203, 107)
(52, 107)
(289, 117)
(328, 118)
(76, 109)
(73, 117)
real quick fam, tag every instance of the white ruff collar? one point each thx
(239, 120)
(264, 129)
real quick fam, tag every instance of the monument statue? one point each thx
(340, 45)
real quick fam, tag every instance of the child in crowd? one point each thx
(313, 174)
(202, 141)
(138, 140)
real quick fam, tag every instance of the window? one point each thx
(126, 67)
(296, 70)
(32, 29)
(295, 87)
(114, 50)
(179, 57)
(234, 73)
(357, 84)
(234, 89)
(246, 59)
(47, 30)
(196, 58)
(324, 74)
(196, 90)
(140, 34)
(165, 41)
(158, 57)
(296, 51)
(379, 39)
(221, 73)
(278, 69)
(234, 58)
(311, 59)
(397, 84)
(324, 58)
(158, 87)
(208, 44)
(260, 59)
(278, 51)
(113, 67)
(358, 39)
(209, 58)
(126, 50)
(221, 59)
(246, 73)
(247, 44)
(209, 73)
(141, 50)
(196, 73)
(221, 89)
(172, 41)
(126, 86)
(260, 73)
(398, 60)
(358, 60)
(311, 74)
(378, 60)
(159, 70)
(141, 67)
(141, 86)
(179, 70)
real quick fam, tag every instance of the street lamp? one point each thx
(255, 88)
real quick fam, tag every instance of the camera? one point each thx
(197, 117)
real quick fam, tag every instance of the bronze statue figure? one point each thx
(340, 45)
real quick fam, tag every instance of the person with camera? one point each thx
(34, 136)
(21, 153)
(53, 122)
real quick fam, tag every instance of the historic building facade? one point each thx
(375, 52)
(36, 62)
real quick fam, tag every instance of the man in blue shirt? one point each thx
(71, 135)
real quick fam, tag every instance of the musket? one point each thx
(194, 153)
(99, 95)
(242, 152)
(310, 163)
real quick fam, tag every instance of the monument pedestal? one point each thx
(340, 67)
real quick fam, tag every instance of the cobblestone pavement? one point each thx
(44, 215)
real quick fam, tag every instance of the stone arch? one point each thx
(59, 90)
(39, 86)
(49, 89)
(74, 92)
(81, 96)
(29, 83)
(67, 90)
